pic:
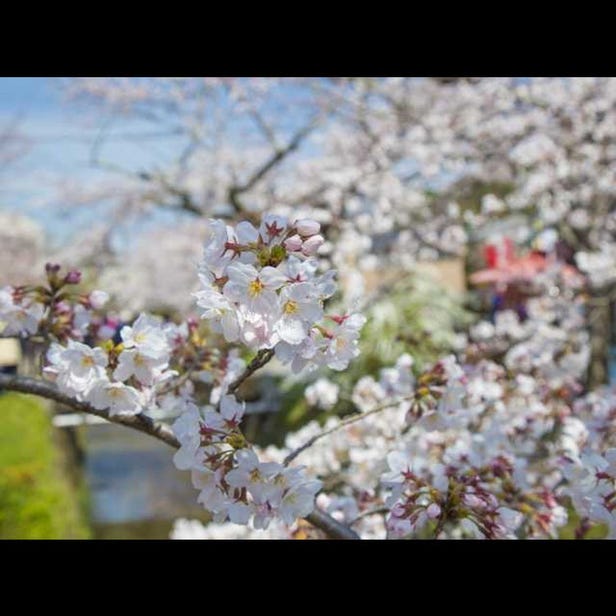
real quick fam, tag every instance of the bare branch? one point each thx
(278, 155)
(369, 512)
(346, 422)
(265, 128)
(330, 526)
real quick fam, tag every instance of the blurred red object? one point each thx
(497, 255)
(520, 269)
(514, 269)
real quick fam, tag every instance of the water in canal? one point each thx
(135, 490)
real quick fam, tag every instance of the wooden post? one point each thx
(600, 316)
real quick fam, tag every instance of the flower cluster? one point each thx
(53, 310)
(233, 483)
(122, 378)
(20, 314)
(261, 288)
(322, 394)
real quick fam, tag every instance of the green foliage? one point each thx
(416, 316)
(36, 500)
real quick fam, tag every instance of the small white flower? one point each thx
(322, 393)
(145, 369)
(216, 255)
(232, 411)
(298, 502)
(400, 466)
(254, 289)
(19, 319)
(252, 474)
(222, 313)
(211, 495)
(146, 335)
(342, 343)
(273, 229)
(300, 309)
(77, 366)
(186, 429)
(116, 397)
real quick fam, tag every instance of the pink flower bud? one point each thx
(293, 244)
(108, 329)
(98, 299)
(433, 511)
(312, 244)
(307, 227)
(73, 277)
(474, 501)
(106, 332)
(62, 308)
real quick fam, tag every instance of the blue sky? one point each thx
(61, 135)
(26, 94)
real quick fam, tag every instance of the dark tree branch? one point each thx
(48, 390)
(258, 361)
(279, 154)
(330, 526)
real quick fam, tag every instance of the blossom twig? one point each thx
(258, 361)
(345, 422)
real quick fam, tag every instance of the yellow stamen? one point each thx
(255, 288)
(290, 307)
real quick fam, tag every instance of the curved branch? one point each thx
(145, 424)
(277, 156)
(330, 526)
(345, 422)
(48, 390)
(258, 361)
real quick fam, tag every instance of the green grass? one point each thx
(37, 500)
